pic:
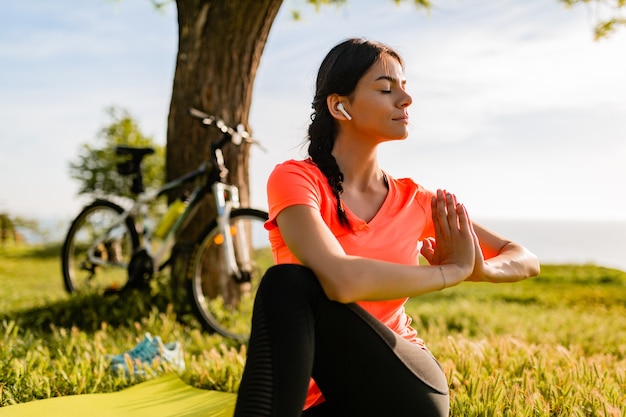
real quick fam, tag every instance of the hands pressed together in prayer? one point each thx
(456, 245)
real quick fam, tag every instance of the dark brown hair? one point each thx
(339, 73)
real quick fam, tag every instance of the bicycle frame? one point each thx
(226, 198)
(112, 245)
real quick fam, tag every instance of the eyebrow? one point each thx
(390, 79)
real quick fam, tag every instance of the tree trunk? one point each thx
(219, 50)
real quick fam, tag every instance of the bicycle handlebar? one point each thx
(237, 136)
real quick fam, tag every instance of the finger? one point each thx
(478, 251)
(479, 259)
(442, 214)
(467, 231)
(465, 225)
(434, 214)
(427, 243)
(428, 249)
(451, 208)
(477, 248)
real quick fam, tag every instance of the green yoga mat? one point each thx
(164, 396)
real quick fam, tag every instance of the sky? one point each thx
(516, 109)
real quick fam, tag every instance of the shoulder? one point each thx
(295, 166)
(296, 171)
(296, 183)
(408, 188)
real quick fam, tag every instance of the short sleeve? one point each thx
(289, 184)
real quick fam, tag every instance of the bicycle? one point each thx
(105, 250)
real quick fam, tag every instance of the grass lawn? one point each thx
(554, 345)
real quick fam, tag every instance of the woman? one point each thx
(330, 336)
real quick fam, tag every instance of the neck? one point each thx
(359, 164)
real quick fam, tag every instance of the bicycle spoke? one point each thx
(224, 301)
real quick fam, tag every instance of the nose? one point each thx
(406, 100)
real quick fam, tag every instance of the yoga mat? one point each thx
(165, 396)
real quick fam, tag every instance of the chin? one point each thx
(395, 135)
(402, 136)
(394, 138)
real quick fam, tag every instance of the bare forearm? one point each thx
(513, 263)
(360, 279)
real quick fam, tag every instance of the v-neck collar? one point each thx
(360, 224)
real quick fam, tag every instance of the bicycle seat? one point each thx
(132, 166)
(134, 152)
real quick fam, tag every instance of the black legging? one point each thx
(361, 366)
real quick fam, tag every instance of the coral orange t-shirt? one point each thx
(394, 234)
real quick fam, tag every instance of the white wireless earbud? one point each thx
(342, 110)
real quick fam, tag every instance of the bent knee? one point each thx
(292, 278)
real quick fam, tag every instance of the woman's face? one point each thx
(379, 103)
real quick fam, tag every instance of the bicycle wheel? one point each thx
(224, 303)
(98, 248)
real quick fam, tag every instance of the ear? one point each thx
(332, 101)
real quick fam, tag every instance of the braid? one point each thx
(322, 139)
